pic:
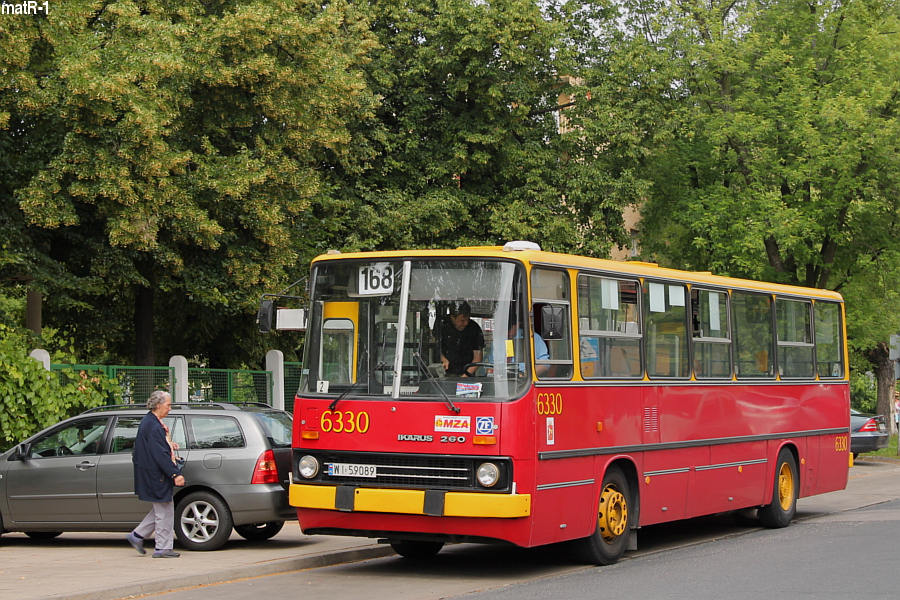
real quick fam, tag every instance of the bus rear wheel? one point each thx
(416, 549)
(610, 539)
(781, 510)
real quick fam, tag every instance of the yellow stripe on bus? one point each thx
(412, 502)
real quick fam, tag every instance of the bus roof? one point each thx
(601, 265)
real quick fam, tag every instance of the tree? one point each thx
(467, 147)
(157, 157)
(780, 159)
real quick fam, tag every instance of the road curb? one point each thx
(273, 567)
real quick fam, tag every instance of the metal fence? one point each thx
(292, 373)
(229, 385)
(135, 383)
(204, 385)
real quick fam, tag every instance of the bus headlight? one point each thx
(488, 474)
(308, 467)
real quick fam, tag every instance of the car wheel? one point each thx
(259, 532)
(43, 535)
(784, 497)
(608, 542)
(202, 521)
(416, 549)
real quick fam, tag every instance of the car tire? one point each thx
(781, 510)
(43, 535)
(202, 521)
(259, 532)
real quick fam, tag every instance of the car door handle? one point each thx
(82, 466)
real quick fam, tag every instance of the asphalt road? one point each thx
(842, 545)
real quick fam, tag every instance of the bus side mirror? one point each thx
(553, 322)
(264, 316)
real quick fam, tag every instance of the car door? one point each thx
(57, 480)
(115, 474)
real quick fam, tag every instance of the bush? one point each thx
(32, 398)
(863, 392)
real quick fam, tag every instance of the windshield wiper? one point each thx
(380, 365)
(424, 369)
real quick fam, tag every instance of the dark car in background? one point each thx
(77, 475)
(867, 432)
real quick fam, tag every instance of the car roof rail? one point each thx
(175, 405)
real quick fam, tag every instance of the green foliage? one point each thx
(466, 147)
(31, 398)
(863, 396)
(170, 148)
(777, 136)
(778, 129)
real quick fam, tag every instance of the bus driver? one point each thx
(462, 341)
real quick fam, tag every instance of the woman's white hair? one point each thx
(157, 398)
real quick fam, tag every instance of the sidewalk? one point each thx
(102, 566)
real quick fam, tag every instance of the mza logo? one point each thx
(453, 424)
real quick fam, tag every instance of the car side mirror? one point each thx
(21, 453)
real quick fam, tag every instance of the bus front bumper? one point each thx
(410, 502)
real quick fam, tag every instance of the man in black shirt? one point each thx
(462, 341)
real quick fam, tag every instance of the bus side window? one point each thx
(550, 294)
(753, 335)
(795, 348)
(608, 327)
(829, 352)
(666, 339)
(711, 334)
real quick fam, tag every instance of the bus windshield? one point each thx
(410, 329)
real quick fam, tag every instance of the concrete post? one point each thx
(180, 364)
(42, 356)
(275, 365)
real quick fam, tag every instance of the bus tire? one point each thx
(781, 510)
(416, 549)
(610, 539)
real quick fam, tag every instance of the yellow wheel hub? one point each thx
(785, 487)
(613, 518)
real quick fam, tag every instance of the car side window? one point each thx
(215, 432)
(83, 437)
(127, 428)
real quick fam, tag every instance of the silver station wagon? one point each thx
(77, 475)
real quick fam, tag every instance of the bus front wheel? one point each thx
(784, 497)
(608, 542)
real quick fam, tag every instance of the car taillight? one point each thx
(266, 471)
(871, 425)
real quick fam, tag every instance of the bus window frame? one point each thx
(566, 303)
(585, 334)
(728, 339)
(646, 282)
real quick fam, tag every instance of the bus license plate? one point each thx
(352, 470)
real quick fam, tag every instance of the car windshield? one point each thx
(418, 328)
(277, 426)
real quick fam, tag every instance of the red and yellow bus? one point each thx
(661, 395)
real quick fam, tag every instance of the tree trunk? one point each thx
(884, 378)
(143, 327)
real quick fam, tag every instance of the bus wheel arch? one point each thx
(785, 490)
(616, 516)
